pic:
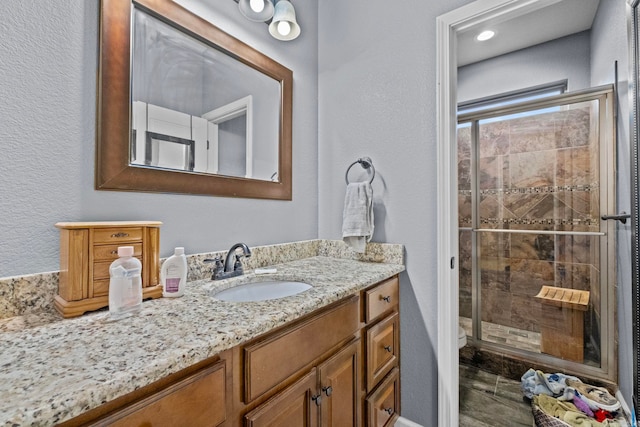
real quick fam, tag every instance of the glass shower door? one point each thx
(535, 271)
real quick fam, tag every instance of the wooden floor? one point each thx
(489, 400)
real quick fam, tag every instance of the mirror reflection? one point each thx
(197, 109)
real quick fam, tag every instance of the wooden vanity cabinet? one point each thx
(382, 353)
(278, 367)
(336, 367)
(327, 395)
(348, 384)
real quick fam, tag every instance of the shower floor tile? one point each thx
(499, 334)
(491, 400)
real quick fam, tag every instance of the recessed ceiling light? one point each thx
(485, 35)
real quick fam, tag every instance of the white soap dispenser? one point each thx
(173, 274)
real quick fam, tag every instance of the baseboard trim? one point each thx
(403, 422)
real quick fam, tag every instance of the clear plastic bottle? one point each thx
(125, 285)
(173, 274)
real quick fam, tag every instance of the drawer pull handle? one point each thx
(114, 252)
(386, 299)
(327, 390)
(388, 348)
(121, 234)
(388, 410)
(317, 398)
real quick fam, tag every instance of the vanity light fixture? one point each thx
(284, 25)
(256, 10)
(485, 35)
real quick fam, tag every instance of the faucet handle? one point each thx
(218, 267)
(217, 259)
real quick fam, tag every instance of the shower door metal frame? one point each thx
(634, 94)
(608, 352)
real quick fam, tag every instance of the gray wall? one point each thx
(377, 98)
(564, 58)
(47, 133)
(609, 44)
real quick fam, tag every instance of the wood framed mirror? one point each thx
(131, 99)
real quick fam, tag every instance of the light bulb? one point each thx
(485, 35)
(257, 5)
(284, 28)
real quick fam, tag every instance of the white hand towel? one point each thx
(357, 218)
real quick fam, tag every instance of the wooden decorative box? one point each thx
(87, 249)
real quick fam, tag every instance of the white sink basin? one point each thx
(262, 291)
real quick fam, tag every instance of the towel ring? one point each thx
(366, 163)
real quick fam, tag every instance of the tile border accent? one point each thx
(548, 189)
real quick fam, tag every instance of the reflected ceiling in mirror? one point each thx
(204, 112)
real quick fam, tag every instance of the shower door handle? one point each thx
(622, 217)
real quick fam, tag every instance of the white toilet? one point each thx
(462, 337)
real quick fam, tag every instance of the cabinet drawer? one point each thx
(382, 349)
(380, 299)
(383, 404)
(101, 269)
(270, 361)
(116, 235)
(199, 398)
(100, 288)
(110, 252)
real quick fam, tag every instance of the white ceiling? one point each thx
(560, 19)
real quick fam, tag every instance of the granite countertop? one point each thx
(54, 369)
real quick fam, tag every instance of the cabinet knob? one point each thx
(327, 390)
(388, 410)
(386, 299)
(388, 348)
(317, 398)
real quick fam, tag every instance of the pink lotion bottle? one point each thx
(173, 274)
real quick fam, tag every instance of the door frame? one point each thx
(447, 26)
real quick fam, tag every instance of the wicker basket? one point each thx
(542, 419)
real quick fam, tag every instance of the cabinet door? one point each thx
(339, 387)
(383, 341)
(383, 405)
(295, 406)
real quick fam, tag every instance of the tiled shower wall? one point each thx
(536, 172)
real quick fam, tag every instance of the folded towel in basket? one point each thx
(357, 218)
(557, 410)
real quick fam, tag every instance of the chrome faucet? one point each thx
(231, 267)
